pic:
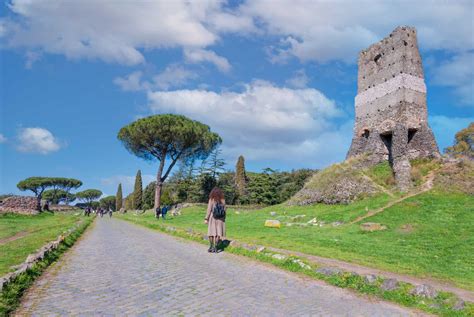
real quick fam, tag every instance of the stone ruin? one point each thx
(18, 204)
(391, 117)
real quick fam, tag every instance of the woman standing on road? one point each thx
(215, 219)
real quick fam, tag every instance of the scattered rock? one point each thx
(372, 226)
(280, 257)
(171, 229)
(272, 223)
(459, 305)
(389, 284)
(237, 212)
(370, 278)
(301, 264)
(260, 249)
(313, 221)
(273, 214)
(328, 271)
(424, 291)
(337, 223)
(435, 306)
(205, 237)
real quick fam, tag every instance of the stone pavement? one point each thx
(118, 269)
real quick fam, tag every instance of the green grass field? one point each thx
(21, 235)
(430, 235)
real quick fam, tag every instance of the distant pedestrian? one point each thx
(110, 213)
(215, 219)
(158, 212)
(164, 211)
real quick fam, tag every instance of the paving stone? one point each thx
(120, 269)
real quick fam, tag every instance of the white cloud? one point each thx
(445, 128)
(299, 80)
(37, 140)
(458, 73)
(264, 120)
(172, 76)
(309, 30)
(116, 32)
(127, 181)
(200, 55)
(3, 138)
(132, 82)
(324, 31)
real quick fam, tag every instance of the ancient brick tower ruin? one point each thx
(390, 107)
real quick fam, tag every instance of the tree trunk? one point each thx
(38, 203)
(159, 186)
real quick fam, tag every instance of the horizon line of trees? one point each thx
(56, 190)
(193, 182)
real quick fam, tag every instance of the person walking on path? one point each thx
(215, 219)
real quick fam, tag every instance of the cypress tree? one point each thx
(240, 177)
(118, 198)
(137, 200)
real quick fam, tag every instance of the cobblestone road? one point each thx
(119, 269)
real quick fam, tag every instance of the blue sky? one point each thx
(277, 79)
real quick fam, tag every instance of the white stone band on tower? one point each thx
(388, 87)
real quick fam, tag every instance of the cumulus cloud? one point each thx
(172, 76)
(200, 55)
(127, 181)
(458, 73)
(131, 82)
(321, 31)
(265, 120)
(37, 140)
(116, 32)
(3, 138)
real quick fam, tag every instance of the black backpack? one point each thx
(218, 211)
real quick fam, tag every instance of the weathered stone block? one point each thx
(273, 224)
(328, 271)
(389, 284)
(424, 291)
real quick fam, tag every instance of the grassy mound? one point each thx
(340, 183)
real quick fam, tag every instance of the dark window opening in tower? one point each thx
(365, 133)
(377, 57)
(411, 134)
(387, 140)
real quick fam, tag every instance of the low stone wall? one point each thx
(19, 204)
(34, 258)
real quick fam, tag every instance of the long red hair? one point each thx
(216, 194)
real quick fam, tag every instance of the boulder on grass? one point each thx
(272, 223)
